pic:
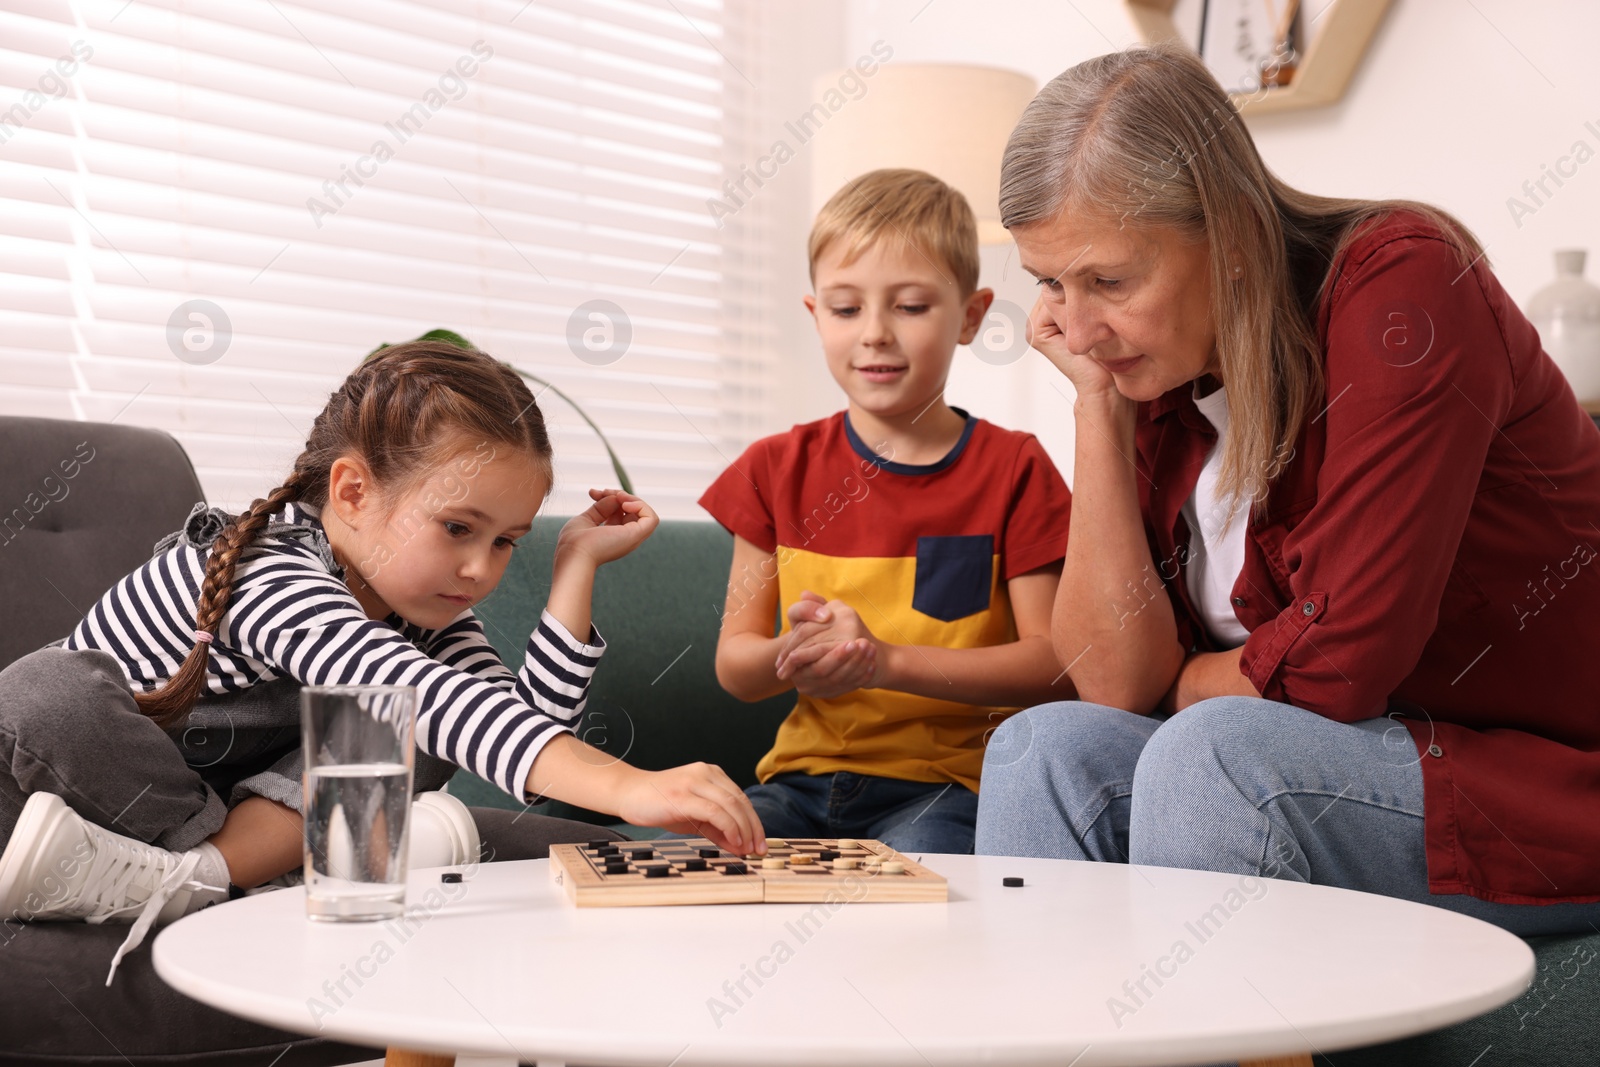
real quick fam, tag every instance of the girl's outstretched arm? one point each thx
(290, 613)
(697, 798)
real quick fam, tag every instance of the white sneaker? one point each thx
(60, 867)
(442, 832)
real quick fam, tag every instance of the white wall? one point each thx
(1456, 104)
(803, 40)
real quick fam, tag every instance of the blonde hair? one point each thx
(910, 206)
(1149, 138)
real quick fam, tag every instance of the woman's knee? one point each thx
(1219, 731)
(1263, 747)
(1069, 738)
(1050, 776)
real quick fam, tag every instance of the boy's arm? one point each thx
(1019, 673)
(746, 647)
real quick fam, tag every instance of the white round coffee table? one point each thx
(1086, 964)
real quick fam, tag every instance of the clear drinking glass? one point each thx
(359, 755)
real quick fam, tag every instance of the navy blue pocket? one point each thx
(954, 575)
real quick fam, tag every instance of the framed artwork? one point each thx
(1251, 44)
(1273, 55)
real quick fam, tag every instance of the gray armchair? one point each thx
(84, 502)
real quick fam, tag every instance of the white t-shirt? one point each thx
(1216, 545)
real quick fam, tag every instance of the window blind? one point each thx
(211, 210)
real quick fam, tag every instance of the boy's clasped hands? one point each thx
(830, 651)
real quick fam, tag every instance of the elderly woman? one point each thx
(1329, 599)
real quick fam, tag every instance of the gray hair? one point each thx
(1149, 139)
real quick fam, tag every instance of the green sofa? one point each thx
(656, 703)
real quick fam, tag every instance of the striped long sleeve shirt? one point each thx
(291, 615)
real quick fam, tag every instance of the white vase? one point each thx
(1567, 315)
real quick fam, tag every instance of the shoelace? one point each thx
(118, 863)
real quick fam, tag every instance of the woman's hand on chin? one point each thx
(1087, 376)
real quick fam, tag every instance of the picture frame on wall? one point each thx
(1308, 49)
(1251, 44)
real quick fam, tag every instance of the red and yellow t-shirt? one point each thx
(921, 552)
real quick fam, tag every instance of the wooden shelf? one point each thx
(1324, 72)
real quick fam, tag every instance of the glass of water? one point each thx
(359, 754)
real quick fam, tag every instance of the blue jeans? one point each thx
(911, 817)
(1233, 784)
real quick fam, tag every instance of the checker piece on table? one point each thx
(694, 871)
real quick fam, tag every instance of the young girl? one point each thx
(362, 567)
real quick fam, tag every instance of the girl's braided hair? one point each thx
(404, 412)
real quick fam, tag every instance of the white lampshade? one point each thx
(951, 120)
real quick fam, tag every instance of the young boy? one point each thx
(914, 549)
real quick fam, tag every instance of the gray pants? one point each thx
(69, 726)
